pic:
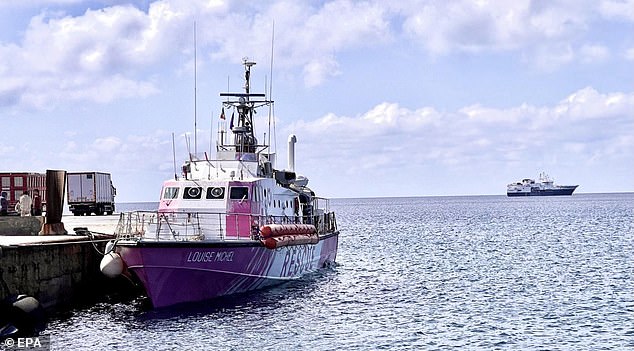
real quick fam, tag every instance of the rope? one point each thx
(90, 234)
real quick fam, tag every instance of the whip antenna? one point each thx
(195, 93)
(174, 155)
(270, 93)
(211, 132)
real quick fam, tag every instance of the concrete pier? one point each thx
(56, 269)
(20, 226)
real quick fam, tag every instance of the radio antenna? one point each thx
(270, 93)
(211, 132)
(195, 93)
(174, 155)
(188, 144)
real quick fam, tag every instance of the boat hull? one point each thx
(178, 272)
(564, 190)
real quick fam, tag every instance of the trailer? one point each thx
(14, 184)
(90, 192)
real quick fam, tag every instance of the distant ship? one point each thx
(545, 187)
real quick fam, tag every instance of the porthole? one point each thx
(193, 192)
(215, 193)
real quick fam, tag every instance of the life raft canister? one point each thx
(272, 230)
(290, 240)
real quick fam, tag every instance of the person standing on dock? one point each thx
(37, 203)
(23, 207)
(4, 204)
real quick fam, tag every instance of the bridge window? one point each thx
(193, 192)
(239, 193)
(170, 193)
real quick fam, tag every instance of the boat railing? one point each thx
(321, 204)
(197, 226)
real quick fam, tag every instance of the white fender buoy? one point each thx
(111, 265)
(109, 247)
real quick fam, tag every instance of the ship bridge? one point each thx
(230, 165)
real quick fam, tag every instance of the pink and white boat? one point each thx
(229, 224)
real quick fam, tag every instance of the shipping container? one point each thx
(90, 192)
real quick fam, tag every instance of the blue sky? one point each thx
(407, 98)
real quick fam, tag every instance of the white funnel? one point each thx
(292, 139)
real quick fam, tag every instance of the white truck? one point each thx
(90, 192)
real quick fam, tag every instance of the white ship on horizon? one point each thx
(544, 187)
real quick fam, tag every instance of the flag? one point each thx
(222, 114)
(231, 123)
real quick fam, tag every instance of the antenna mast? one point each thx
(270, 92)
(195, 95)
(174, 155)
(211, 132)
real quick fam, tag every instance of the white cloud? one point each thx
(623, 9)
(588, 104)
(145, 154)
(316, 71)
(593, 53)
(310, 37)
(85, 58)
(65, 57)
(475, 26)
(107, 144)
(629, 54)
(583, 124)
(386, 144)
(551, 57)
(547, 34)
(35, 3)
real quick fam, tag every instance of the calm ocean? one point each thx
(430, 273)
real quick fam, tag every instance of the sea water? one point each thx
(430, 273)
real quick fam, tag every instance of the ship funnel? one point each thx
(292, 139)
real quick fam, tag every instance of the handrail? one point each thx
(197, 226)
